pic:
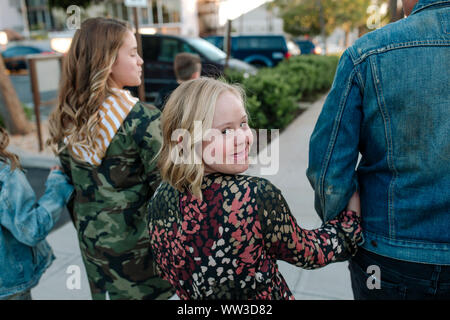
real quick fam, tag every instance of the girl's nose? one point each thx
(240, 137)
(140, 61)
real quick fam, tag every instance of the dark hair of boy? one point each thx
(185, 65)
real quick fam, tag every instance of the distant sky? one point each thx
(231, 9)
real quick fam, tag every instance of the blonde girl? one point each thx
(107, 142)
(215, 233)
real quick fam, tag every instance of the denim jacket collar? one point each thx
(423, 4)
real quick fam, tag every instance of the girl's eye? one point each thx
(244, 125)
(226, 131)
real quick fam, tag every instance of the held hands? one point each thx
(354, 204)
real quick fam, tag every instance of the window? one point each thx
(124, 12)
(171, 11)
(247, 43)
(187, 48)
(154, 10)
(207, 49)
(144, 16)
(150, 47)
(164, 11)
(169, 49)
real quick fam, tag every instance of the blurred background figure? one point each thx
(187, 66)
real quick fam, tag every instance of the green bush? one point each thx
(273, 93)
(276, 101)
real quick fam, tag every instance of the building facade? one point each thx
(160, 16)
(24, 16)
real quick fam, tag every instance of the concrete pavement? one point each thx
(330, 282)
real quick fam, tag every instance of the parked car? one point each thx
(258, 50)
(307, 46)
(159, 52)
(293, 48)
(19, 51)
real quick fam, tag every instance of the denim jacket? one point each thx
(390, 102)
(24, 224)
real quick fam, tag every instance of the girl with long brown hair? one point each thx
(107, 142)
(24, 224)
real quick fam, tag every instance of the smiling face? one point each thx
(127, 69)
(227, 145)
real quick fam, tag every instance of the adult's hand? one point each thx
(354, 203)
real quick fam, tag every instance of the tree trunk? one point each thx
(322, 26)
(347, 36)
(393, 10)
(16, 121)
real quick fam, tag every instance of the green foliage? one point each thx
(273, 93)
(29, 112)
(277, 104)
(303, 16)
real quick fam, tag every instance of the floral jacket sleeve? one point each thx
(310, 249)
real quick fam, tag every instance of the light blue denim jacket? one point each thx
(390, 101)
(24, 224)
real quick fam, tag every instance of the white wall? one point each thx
(10, 17)
(189, 18)
(260, 21)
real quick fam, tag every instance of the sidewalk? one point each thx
(331, 282)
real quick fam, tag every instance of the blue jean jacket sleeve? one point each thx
(30, 221)
(333, 149)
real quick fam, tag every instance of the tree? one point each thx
(16, 121)
(302, 17)
(351, 14)
(393, 10)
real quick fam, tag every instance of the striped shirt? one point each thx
(112, 112)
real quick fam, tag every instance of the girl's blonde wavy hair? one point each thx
(193, 100)
(85, 83)
(5, 156)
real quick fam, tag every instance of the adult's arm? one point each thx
(333, 148)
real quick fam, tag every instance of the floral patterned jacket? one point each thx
(226, 245)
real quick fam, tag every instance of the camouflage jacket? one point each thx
(109, 205)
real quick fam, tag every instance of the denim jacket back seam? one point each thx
(437, 4)
(360, 58)
(389, 144)
(445, 27)
(333, 137)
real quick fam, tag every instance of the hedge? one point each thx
(273, 93)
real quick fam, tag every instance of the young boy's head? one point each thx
(187, 66)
